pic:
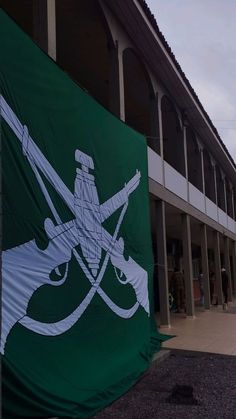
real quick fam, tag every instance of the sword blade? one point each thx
(35, 154)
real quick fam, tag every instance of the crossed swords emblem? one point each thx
(84, 231)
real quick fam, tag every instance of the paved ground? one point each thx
(210, 331)
(186, 385)
(196, 378)
(196, 381)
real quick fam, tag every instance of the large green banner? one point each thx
(77, 325)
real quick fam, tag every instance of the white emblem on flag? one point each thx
(25, 268)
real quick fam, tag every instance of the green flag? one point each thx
(77, 325)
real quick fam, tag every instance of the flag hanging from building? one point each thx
(77, 327)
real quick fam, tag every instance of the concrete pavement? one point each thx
(211, 331)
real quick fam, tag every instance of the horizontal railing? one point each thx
(160, 171)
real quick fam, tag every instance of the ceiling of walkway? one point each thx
(174, 227)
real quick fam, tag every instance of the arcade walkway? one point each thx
(210, 331)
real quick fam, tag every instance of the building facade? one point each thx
(115, 51)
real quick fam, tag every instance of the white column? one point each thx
(218, 267)
(234, 266)
(205, 267)
(114, 81)
(161, 136)
(186, 159)
(160, 126)
(233, 207)
(162, 264)
(51, 17)
(154, 138)
(121, 82)
(203, 172)
(203, 177)
(188, 270)
(225, 196)
(227, 265)
(216, 192)
(185, 151)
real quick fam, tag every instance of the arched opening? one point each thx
(83, 46)
(220, 189)
(141, 109)
(173, 144)
(229, 198)
(194, 160)
(209, 177)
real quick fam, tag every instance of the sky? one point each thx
(202, 36)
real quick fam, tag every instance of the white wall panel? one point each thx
(155, 166)
(175, 182)
(231, 224)
(223, 218)
(196, 198)
(178, 184)
(211, 209)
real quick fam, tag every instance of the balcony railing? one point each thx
(161, 172)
